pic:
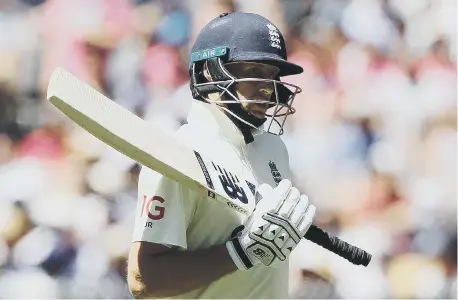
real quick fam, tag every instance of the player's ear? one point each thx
(207, 74)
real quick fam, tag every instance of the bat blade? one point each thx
(140, 140)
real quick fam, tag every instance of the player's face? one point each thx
(253, 90)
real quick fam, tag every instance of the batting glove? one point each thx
(280, 220)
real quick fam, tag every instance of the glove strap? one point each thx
(238, 255)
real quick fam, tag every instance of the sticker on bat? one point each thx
(207, 176)
(235, 207)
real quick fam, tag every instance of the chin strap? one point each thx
(244, 128)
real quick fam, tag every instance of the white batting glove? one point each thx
(280, 220)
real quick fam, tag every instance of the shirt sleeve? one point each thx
(164, 210)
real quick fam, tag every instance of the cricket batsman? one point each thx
(186, 245)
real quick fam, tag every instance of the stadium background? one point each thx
(373, 142)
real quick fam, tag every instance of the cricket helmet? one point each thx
(242, 37)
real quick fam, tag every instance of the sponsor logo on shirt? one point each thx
(231, 184)
(155, 212)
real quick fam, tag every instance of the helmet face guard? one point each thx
(225, 84)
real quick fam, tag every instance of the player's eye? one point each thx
(266, 91)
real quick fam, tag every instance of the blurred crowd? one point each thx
(373, 142)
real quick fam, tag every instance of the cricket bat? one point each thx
(151, 147)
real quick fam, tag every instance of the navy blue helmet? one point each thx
(242, 37)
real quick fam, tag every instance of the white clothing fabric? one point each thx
(183, 218)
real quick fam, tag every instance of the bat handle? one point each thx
(351, 253)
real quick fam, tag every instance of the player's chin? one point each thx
(258, 114)
(258, 111)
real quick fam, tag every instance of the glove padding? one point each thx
(280, 220)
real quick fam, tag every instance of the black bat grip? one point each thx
(351, 253)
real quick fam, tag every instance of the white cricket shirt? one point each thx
(173, 215)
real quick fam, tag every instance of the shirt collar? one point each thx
(212, 120)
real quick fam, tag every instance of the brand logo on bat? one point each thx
(231, 184)
(251, 186)
(206, 175)
(236, 207)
